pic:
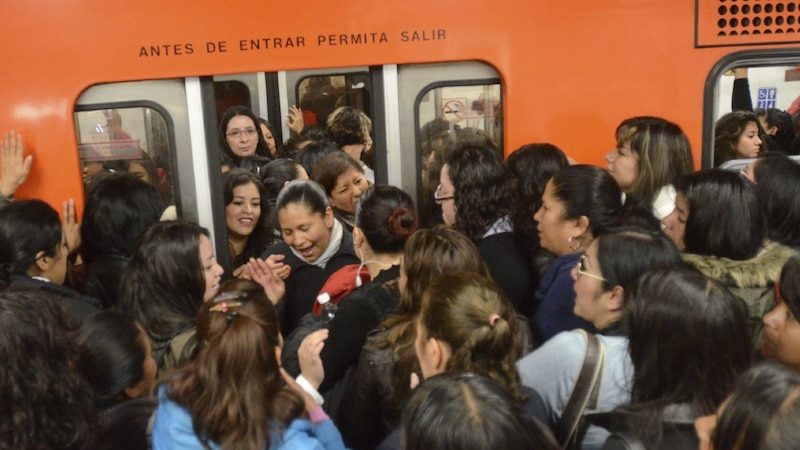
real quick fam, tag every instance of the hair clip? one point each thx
(229, 296)
(224, 306)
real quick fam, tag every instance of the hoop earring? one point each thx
(571, 238)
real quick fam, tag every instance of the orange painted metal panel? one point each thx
(571, 71)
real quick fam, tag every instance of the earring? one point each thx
(571, 238)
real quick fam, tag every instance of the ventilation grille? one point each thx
(747, 22)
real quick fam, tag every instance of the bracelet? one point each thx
(301, 380)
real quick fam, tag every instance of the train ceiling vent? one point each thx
(722, 23)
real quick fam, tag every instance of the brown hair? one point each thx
(329, 168)
(664, 153)
(428, 254)
(238, 330)
(470, 314)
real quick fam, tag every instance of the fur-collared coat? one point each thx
(752, 280)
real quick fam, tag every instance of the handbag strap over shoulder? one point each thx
(585, 392)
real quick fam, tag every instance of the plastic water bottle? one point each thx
(328, 308)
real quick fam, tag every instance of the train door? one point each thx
(774, 81)
(160, 124)
(440, 105)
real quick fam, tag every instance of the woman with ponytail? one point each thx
(466, 324)
(234, 394)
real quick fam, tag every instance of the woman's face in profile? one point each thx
(749, 142)
(782, 336)
(212, 271)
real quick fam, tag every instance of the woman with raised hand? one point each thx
(315, 245)
(119, 208)
(385, 218)
(34, 252)
(172, 271)
(234, 394)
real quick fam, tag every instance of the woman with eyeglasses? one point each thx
(34, 253)
(475, 199)
(241, 138)
(602, 277)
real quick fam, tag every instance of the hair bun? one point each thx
(402, 222)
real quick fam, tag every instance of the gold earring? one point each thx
(571, 238)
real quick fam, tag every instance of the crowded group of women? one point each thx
(641, 305)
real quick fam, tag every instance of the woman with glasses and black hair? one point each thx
(475, 199)
(602, 279)
(241, 138)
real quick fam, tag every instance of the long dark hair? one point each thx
(725, 219)
(233, 388)
(112, 357)
(688, 341)
(762, 412)
(164, 285)
(262, 236)
(46, 402)
(778, 191)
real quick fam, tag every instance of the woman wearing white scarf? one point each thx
(315, 245)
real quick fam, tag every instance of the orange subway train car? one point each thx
(86, 81)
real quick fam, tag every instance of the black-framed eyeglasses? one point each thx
(235, 133)
(580, 268)
(438, 196)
